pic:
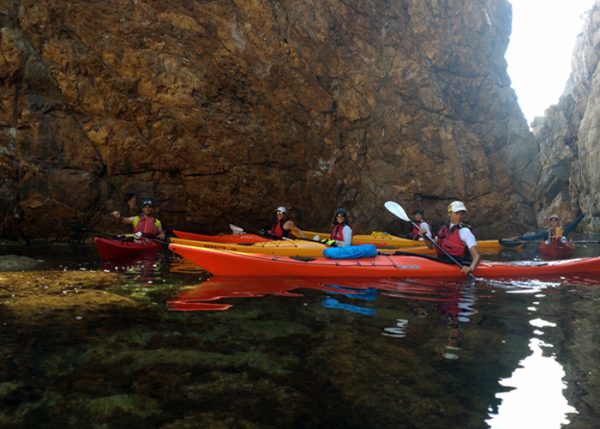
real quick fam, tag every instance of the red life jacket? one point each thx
(337, 232)
(449, 240)
(278, 230)
(147, 225)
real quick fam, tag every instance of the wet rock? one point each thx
(17, 263)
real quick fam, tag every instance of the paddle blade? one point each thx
(397, 210)
(236, 229)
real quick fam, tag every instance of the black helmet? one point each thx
(420, 211)
(147, 202)
(341, 211)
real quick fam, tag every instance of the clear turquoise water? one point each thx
(292, 353)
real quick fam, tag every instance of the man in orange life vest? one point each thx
(457, 239)
(144, 225)
(284, 225)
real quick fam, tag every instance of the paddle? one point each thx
(397, 210)
(510, 242)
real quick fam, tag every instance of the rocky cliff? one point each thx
(568, 136)
(223, 110)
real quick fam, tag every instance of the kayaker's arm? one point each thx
(118, 217)
(475, 258)
(291, 226)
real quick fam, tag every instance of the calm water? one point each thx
(155, 345)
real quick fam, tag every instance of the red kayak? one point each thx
(242, 238)
(556, 249)
(226, 263)
(113, 249)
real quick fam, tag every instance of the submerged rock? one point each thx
(17, 263)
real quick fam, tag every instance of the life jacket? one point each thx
(147, 225)
(337, 232)
(449, 240)
(278, 230)
(414, 233)
(556, 233)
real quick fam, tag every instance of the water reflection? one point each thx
(535, 397)
(453, 301)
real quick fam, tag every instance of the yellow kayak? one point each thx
(378, 238)
(384, 239)
(301, 248)
(276, 247)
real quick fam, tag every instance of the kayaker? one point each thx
(144, 225)
(341, 234)
(284, 226)
(457, 239)
(422, 224)
(555, 230)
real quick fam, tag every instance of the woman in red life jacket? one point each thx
(144, 225)
(457, 239)
(284, 225)
(341, 234)
(422, 224)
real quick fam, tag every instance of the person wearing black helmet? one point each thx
(421, 228)
(145, 224)
(341, 233)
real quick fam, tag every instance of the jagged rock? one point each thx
(568, 135)
(224, 111)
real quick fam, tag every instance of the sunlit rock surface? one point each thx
(568, 136)
(222, 111)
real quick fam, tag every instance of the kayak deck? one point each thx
(112, 249)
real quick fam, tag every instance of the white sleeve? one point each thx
(347, 234)
(425, 226)
(467, 237)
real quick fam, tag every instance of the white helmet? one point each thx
(456, 206)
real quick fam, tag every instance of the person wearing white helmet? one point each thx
(284, 225)
(457, 239)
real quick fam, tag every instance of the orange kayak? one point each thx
(225, 263)
(556, 249)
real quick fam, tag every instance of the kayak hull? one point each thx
(556, 249)
(113, 249)
(224, 263)
(243, 238)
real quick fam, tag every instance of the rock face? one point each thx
(222, 111)
(568, 136)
